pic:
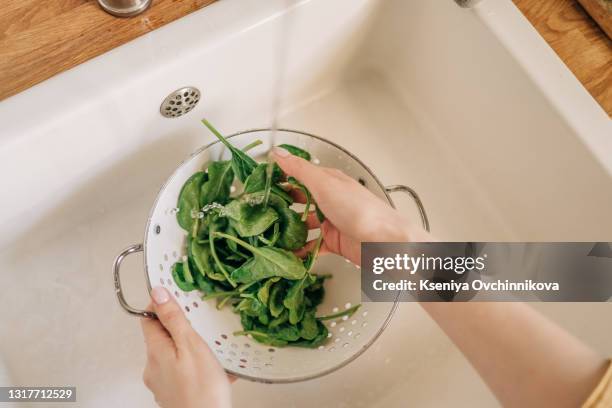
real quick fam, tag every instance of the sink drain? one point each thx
(180, 102)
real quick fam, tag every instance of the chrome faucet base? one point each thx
(124, 8)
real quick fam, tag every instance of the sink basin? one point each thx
(469, 106)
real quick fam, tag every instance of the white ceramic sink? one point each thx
(467, 105)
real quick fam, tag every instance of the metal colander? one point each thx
(348, 337)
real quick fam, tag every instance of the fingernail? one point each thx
(160, 295)
(280, 152)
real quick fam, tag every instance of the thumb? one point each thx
(171, 316)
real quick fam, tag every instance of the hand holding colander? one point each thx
(241, 356)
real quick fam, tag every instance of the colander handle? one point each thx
(413, 194)
(116, 267)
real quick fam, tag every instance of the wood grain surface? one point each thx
(578, 40)
(41, 38)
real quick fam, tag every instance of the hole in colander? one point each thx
(243, 360)
(161, 267)
(166, 257)
(271, 350)
(187, 309)
(232, 353)
(157, 229)
(242, 366)
(345, 345)
(176, 293)
(195, 304)
(224, 336)
(361, 181)
(217, 342)
(161, 280)
(169, 281)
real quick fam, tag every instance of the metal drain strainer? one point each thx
(180, 102)
(349, 337)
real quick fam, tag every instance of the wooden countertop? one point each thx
(578, 40)
(39, 39)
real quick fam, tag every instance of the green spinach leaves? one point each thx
(239, 248)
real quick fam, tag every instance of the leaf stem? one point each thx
(218, 134)
(215, 295)
(213, 252)
(236, 240)
(252, 145)
(348, 312)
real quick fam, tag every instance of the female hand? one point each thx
(181, 371)
(353, 214)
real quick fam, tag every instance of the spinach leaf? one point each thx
(217, 188)
(264, 291)
(242, 164)
(293, 231)
(296, 151)
(202, 259)
(277, 321)
(256, 182)
(275, 303)
(287, 333)
(294, 300)
(189, 201)
(203, 283)
(211, 240)
(293, 181)
(309, 329)
(178, 274)
(267, 262)
(249, 218)
(317, 341)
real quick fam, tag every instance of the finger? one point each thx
(297, 195)
(155, 335)
(297, 167)
(171, 316)
(309, 247)
(312, 221)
